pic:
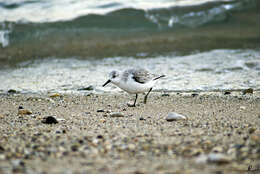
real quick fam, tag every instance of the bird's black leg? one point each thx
(133, 105)
(135, 99)
(145, 97)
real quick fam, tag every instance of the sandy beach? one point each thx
(99, 133)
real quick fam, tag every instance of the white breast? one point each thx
(134, 87)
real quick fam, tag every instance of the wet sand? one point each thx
(87, 139)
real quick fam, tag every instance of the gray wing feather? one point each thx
(141, 75)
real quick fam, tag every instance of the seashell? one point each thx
(172, 116)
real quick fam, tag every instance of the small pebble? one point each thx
(247, 91)
(217, 149)
(242, 107)
(165, 95)
(49, 120)
(55, 95)
(218, 158)
(17, 163)
(1, 149)
(12, 91)
(100, 137)
(2, 157)
(24, 112)
(116, 114)
(1, 116)
(194, 94)
(172, 116)
(141, 118)
(227, 93)
(130, 104)
(251, 130)
(100, 110)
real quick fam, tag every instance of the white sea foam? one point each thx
(56, 10)
(218, 69)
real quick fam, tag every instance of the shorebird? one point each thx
(134, 81)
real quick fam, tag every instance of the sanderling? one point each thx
(134, 81)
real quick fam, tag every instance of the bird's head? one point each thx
(113, 77)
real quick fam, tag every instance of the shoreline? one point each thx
(88, 139)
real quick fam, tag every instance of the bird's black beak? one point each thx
(106, 83)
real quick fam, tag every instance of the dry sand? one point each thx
(87, 139)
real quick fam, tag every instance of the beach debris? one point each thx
(88, 88)
(22, 111)
(116, 114)
(172, 116)
(247, 91)
(49, 120)
(55, 95)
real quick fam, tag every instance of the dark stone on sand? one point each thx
(227, 93)
(12, 91)
(194, 94)
(74, 148)
(165, 95)
(141, 118)
(251, 130)
(49, 120)
(248, 91)
(20, 107)
(1, 149)
(100, 137)
(89, 88)
(100, 110)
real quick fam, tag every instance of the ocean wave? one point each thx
(131, 31)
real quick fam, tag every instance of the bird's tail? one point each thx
(159, 77)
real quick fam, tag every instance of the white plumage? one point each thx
(134, 81)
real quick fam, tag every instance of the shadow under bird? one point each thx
(134, 81)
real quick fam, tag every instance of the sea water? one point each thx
(66, 45)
